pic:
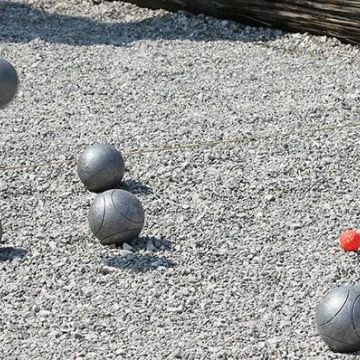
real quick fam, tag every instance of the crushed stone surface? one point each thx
(241, 237)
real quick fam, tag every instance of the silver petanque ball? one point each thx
(100, 167)
(338, 319)
(1, 231)
(8, 82)
(115, 217)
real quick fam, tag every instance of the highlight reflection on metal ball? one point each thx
(116, 216)
(101, 167)
(8, 82)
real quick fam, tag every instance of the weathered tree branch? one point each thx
(338, 18)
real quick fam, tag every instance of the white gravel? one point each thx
(240, 239)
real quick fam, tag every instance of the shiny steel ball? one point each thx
(8, 82)
(116, 216)
(338, 319)
(101, 167)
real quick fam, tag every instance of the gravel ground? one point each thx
(240, 239)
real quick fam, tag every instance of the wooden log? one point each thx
(338, 18)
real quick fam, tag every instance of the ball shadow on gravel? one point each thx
(151, 243)
(135, 187)
(10, 253)
(24, 23)
(138, 263)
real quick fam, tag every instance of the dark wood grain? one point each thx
(336, 18)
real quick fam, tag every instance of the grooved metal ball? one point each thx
(100, 167)
(338, 319)
(8, 82)
(1, 231)
(115, 217)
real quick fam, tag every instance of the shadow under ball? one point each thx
(101, 167)
(338, 319)
(116, 216)
(9, 82)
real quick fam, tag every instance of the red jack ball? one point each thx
(350, 240)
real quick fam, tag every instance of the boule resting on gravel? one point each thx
(228, 271)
